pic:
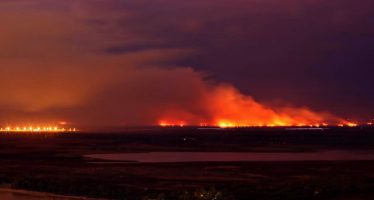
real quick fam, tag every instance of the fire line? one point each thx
(36, 129)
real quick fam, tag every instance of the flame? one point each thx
(164, 123)
(351, 124)
(36, 129)
(226, 107)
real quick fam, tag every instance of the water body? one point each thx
(8, 194)
(174, 157)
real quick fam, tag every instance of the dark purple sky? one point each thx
(79, 60)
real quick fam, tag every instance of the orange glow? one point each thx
(62, 123)
(163, 123)
(225, 107)
(350, 124)
(229, 124)
(36, 129)
(225, 124)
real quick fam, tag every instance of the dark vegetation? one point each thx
(54, 163)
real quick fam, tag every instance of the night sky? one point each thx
(117, 62)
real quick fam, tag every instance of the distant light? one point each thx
(350, 124)
(62, 123)
(36, 129)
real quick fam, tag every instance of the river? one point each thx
(174, 157)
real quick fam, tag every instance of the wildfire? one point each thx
(163, 123)
(226, 107)
(36, 129)
(350, 124)
(227, 124)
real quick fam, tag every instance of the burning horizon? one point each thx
(36, 129)
(125, 63)
(224, 106)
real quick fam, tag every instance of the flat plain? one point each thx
(56, 163)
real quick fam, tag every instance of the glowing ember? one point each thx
(36, 129)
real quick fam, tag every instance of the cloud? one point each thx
(51, 60)
(123, 62)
